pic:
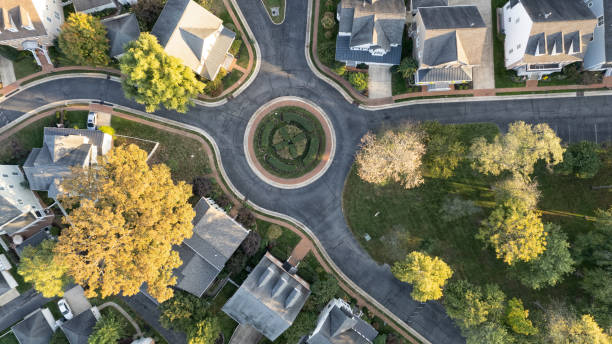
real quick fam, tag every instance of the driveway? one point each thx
(244, 334)
(483, 76)
(7, 73)
(379, 81)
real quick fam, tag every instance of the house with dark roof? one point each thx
(33, 240)
(543, 36)
(62, 150)
(370, 31)
(21, 212)
(197, 37)
(36, 328)
(338, 324)
(269, 299)
(598, 54)
(121, 30)
(8, 285)
(92, 6)
(30, 24)
(79, 328)
(216, 236)
(416, 4)
(448, 43)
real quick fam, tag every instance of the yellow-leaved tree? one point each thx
(125, 218)
(40, 266)
(427, 275)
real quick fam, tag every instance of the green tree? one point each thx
(147, 12)
(204, 332)
(426, 274)
(470, 305)
(323, 290)
(303, 325)
(598, 283)
(563, 327)
(83, 40)
(182, 310)
(444, 150)
(515, 232)
(581, 159)
(517, 188)
(408, 67)
(550, 267)
(359, 81)
(489, 333)
(152, 77)
(586, 331)
(518, 150)
(517, 318)
(40, 267)
(108, 330)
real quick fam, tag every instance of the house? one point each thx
(216, 236)
(36, 328)
(121, 30)
(8, 285)
(543, 36)
(449, 42)
(598, 55)
(338, 324)
(62, 150)
(79, 328)
(92, 6)
(30, 25)
(416, 4)
(269, 299)
(370, 31)
(189, 32)
(21, 212)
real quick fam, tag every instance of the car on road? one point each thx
(65, 309)
(92, 120)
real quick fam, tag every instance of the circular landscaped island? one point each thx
(289, 143)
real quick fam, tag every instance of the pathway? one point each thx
(149, 312)
(125, 315)
(379, 82)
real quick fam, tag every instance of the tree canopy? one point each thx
(444, 149)
(109, 329)
(514, 231)
(83, 40)
(152, 77)
(123, 225)
(470, 305)
(581, 160)
(426, 274)
(393, 156)
(205, 332)
(550, 267)
(407, 67)
(518, 150)
(490, 333)
(517, 318)
(519, 189)
(147, 12)
(564, 327)
(39, 266)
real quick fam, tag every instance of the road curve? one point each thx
(284, 72)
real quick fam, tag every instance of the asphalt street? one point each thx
(284, 72)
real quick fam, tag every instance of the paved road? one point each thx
(284, 72)
(17, 309)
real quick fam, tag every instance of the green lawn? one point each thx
(243, 55)
(275, 3)
(9, 338)
(227, 324)
(25, 66)
(280, 248)
(410, 220)
(16, 148)
(185, 156)
(398, 84)
(231, 78)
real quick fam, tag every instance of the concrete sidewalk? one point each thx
(7, 72)
(379, 81)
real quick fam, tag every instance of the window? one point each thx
(57, 15)
(517, 20)
(518, 46)
(510, 20)
(510, 51)
(48, 19)
(590, 4)
(600, 21)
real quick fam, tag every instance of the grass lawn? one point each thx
(243, 55)
(25, 66)
(16, 148)
(281, 12)
(326, 39)
(410, 220)
(502, 75)
(185, 156)
(231, 78)
(398, 84)
(280, 248)
(9, 338)
(227, 324)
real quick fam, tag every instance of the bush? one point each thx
(107, 130)
(236, 263)
(359, 81)
(328, 21)
(246, 217)
(340, 70)
(455, 208)
(202, 187)
(581, 159)
(223, 201)
(274, 232)
(235, 48)
(251, 243)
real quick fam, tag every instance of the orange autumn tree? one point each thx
(125, 218)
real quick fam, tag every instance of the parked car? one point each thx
(65, 309)
(92, 121)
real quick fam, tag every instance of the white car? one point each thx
(65, 309)
(92, 121)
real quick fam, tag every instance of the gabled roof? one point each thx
(345, 53)
(120, 31)
(34, 329)
(269, 299)
(440, 49)
(378, 24)
(19, 19)
(451, 17)
(195, 275)
(442, 74)
(85, 5)
(341, 326)
(78, 329)
(557, 10)
(16, 198)
(427, 3)
(7, 211)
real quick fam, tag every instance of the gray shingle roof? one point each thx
(120, 31)
(269, 299)
(217, 55)
(428, 3)
(536, 44)
(555, 43)
(344, 53)
(572, 40)
(557, 10)
(78, 329)
(340, 326)
(84, 5)
(33, 240)
(440, 49)
(451, 17)
(168, 20)
(96, 137)
(346, 18)
(195, 275)
(33, 330)
(607, 4)
(4, 286)
(442, 75)
(7, 211)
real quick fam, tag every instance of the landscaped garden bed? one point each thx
(289, 142)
